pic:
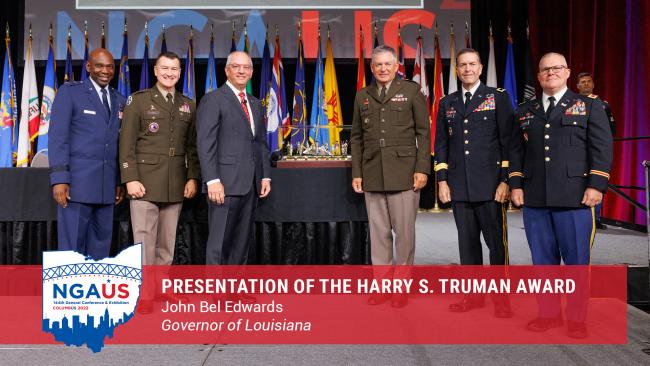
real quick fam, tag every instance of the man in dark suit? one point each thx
(390, 141)
(85, 124)
(473, 129)
(560, 159)
(234, 158)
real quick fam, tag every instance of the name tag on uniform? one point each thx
(89, 112)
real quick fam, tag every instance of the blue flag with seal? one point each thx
(299, 117)
(265, 79)
(8, 130)
(319, 132)
(509, 80)
(144, 73)
(84, 72)
(188, 78)
(124, 81)
(163, 43)
(68, 75)
(211, 73)
(49, 91)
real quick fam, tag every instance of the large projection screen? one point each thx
(344, 18)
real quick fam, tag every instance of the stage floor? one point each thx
(635, 352)
(437, 242)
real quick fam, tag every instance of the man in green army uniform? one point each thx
(390, 141)
(158, 159)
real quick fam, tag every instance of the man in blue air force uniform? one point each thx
(85, 124)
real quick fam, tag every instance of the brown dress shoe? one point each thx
(502, 311)
(247, 299)
(543, 324)
(144, 307)
(576, 330)
(465, 305)
(377, 299)
(399, 301)
(243, 298)
(172, 297)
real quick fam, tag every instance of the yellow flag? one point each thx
(332, 97)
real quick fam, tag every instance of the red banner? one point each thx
(330, 305)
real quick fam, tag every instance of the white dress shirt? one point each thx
(557, 96)
(471, 90)
(248, 105)
(98, 89)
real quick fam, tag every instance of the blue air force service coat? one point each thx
(83, 142)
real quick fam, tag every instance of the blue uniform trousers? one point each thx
(85, 228)
(562, 234)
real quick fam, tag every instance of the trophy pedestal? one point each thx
(311, 162)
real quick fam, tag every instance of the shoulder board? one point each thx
(139, 92)
(410, 81)
(592, 96)
(72, 83)
(501, 90)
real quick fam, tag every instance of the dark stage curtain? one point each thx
(272, 242)
(311, 217)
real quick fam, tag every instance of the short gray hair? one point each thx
(229, 59)
(384, 49)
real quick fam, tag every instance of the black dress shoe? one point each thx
(465, 305)
(145, 307)
(502, 311)
(247, 299)
(377, 299)
(543, 324)
(172, 297)
(398, 301)
(600, 225)
(576, 330)
(243, 298)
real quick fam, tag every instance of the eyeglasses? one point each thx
(237, 67)
(552, 69)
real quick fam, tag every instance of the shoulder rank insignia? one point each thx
(592, 96)
(501, 90)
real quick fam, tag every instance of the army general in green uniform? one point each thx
(158, 159)
(390, 142)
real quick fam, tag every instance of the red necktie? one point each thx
(242, 97)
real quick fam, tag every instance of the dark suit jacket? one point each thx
(471, 147)
(555, 160)
(83, 142)
(227, 148)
